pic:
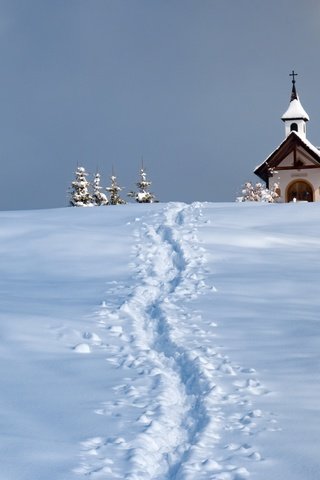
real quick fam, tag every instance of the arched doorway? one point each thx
(299, 191)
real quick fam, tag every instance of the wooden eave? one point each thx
(295, 118)
(290, 144)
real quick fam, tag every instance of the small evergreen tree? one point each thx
(99, 198)
(114, 189)
(80, 195)
(143, 195)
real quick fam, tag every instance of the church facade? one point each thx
(294, 167)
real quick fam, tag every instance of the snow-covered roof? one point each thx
(309, 144)
(302, 139)
(295, 111)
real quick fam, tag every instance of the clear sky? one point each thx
(196, 87)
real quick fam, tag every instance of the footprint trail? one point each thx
(195, 411)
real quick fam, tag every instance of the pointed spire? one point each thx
(295, 110)
(294, 95)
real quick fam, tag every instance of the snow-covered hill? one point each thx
(160, 342)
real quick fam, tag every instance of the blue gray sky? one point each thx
(195, 87)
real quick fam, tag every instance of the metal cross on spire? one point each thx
(293, 74)
(294, 95)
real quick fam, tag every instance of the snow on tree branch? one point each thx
(114, 190)
(259, 193)
(99, 198)
(143, 195)
(80, 195)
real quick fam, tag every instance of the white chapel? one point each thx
(295, 164)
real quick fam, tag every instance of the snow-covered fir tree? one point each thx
(259, 193)
(114, 189)
(80, 195)
(143, 195)
(99, 198)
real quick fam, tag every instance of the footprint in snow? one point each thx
(253, 386)
(93, 337)
(82, 348)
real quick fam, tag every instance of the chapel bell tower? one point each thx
(295, 118)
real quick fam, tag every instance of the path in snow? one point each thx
(196, 415)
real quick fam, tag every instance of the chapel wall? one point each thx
(284, 178)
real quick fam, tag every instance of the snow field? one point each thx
(264, 262)
(160, 342)
(189, 387)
